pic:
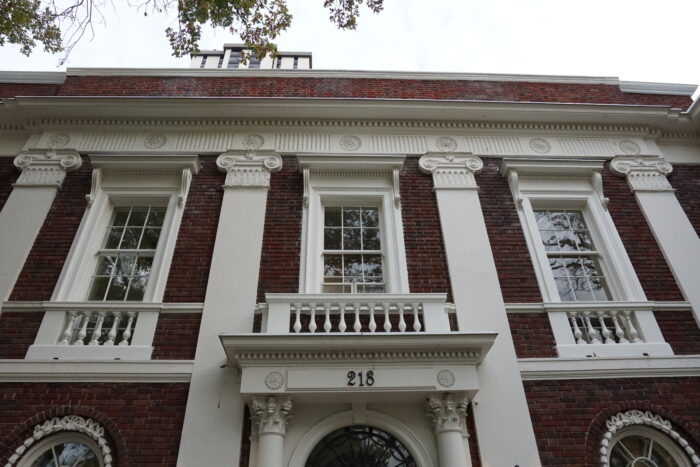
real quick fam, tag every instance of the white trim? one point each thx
(379, 420)
(33, 307)
(539, 369)
(516, 308)
(33, 77)
(643, 87)
(153, 371)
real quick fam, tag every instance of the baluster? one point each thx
(341, 325)
(327, 323)
(83, 329)
(126, 336)
(619, 332)
(416, 320)
(97, 332)
(372, 323)
(68, 332)
(312, 322)
(578, 335)
(604, 328)
(631, 331)
(593, 333)
(297, 317)
(402, 322)
(112, 335)
(357, 326)
(387, 321)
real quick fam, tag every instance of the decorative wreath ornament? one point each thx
(73, 423)
(637, 417)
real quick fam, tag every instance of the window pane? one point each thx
(583, 240)
(99, 287)
(558, 267)
(105, 265)
(370, 217)
(76, 454)
(543, 222)
(125, 264)
(131, 238)
(117, 289)
(549, 240)
(137, 288)
(333, 265)
(149, 241)
(351, 217)
(143, 265)
(352, 266)
(574, 266)
(45, 460)
(138, 217)
(567, 241)
(351, 239)
(120, 217)
(565, 292)
(156, 217)
(372, 265)
(113, 238)
(370, 239)
(332, 239)
(333, 216)
(600, 290)
(576, 220)
(559, 220)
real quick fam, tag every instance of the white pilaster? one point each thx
(27, 206)
(500, 413)
(214, 416)
(680, 245)
(270, 416)
(449, 414)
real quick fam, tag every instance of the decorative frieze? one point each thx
(248, 169)
(46, 168)
(448, 412)
(270, 414)
(452, 170)
(644, 173)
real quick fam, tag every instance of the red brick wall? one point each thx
(680, 331)
(17, 332)
(189, 270)
(647, 259)
(281, 248)
(569, 415)
(686, 180)
(176, 336)
(532, 335)
(45, 261)
(422, 233)
(143, 421)
(24, 89)
(8, 175)
(360, 88)
(515, 271)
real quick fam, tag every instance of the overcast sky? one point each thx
(638, 40)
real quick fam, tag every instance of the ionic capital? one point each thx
(46, 168)
(248, 169)
(452, 170)
(448, 412)
(644, 173)
(270, 414)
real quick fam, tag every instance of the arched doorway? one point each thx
(360, 446)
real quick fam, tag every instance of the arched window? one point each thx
(360, 446)
(64, 450)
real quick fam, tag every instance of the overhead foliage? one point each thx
(60, 24)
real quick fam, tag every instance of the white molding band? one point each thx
(451, 170)
(69, 423)
(45, 168)
(542, 369)
(101, 371)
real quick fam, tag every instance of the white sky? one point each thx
(642, 40)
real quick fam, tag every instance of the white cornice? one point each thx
(642, 87)
(29, 307)
(81, 371)
(33, 77)
(533, 369)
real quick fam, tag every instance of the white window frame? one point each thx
(352, 181)
(577, 185)
(62, 437)
(119, 180)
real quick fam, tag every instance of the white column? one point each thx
(501, 414)
(680, 245)
(449, 415)
(214, 416)
(270, 416)
(27, 206)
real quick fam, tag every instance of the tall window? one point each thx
(234, 59)
(352, 250)
(124, 264)
(572, 255)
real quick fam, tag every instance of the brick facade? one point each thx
(569, 415)
(8, 175)
(143, 421)
(685, 179)
(17, 332)
(176, 336)
(680, 331)
(648, 261)
(189, 270)
(8, 90)
(532, 335)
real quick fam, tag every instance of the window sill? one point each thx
(615, 350)
(88, 352)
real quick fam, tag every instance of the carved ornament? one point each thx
(350, 143)
(270, 414)
(623, 420)
(453, 170)
(445, 378)
(540, 145)
(274, 380)
(644, 173)
(248, 169)
(154, 141)
(448, 412)
(46, 169)
(68, 423)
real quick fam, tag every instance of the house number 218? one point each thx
(360, 379)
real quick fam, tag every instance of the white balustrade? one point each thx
(604, 327)
(98, 328)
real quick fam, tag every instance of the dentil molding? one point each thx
(249, 168)
(448, 412)
(270, 414)
(452, 170)
(48, 168)
(643, 172)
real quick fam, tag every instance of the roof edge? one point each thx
(33, 77)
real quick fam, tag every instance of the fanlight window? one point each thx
(65, 451)
(638, 450)
(360, 446)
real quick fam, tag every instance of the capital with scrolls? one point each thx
(270, 414)
(41, 168)
(248, 169)
(448, 412)
(644, 173)
(452, 170)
